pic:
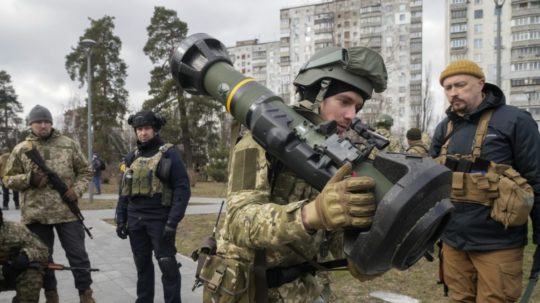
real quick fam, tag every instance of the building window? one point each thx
(478, 43)
(458, 28)
(477, 2)
(458, 43)
(478, 14)
(478, 28)
(526, 51)
(459, 14)
(525, 66)
(455, 57)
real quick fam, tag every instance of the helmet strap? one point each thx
(325, 84)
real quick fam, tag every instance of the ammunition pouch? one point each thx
(494, 185)
(515, 201)
(163, 171)
(127, 181)
(226, 280)
(166, 195)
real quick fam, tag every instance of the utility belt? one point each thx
(228, 280)
(278, 276)
(498, 186)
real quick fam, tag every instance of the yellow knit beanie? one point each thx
(462, 67)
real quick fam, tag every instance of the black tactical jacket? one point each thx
(149, 208)
(513, 139)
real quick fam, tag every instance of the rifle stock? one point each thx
(58, 185)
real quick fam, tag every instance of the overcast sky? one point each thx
(36, 35)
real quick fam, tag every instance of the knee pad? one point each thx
(169, 267)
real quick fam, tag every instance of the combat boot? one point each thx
(86, 296)
(51, 296)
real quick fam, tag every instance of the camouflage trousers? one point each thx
(27, 286)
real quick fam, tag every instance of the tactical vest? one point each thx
(479, 181)
(141, 180)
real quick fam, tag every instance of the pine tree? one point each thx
(109, 96)
(9, 108)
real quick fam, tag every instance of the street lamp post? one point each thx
(498, 11)
(88, 44)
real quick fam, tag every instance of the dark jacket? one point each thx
(151, 208)
(512, 139)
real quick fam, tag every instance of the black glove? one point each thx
(169, 234)
(15, 266)
(121, 230)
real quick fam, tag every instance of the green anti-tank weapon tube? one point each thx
(411, 192)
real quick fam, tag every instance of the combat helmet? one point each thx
(385, 121)
(147, 118)
(360, 68)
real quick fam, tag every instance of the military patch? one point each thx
(244, 169)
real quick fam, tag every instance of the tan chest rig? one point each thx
(140, 178)
(479, 181)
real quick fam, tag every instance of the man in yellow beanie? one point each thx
(493, 150)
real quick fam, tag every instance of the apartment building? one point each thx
(393, 28)
(259, 61)
(472, 34)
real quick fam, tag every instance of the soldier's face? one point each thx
(145, 133)
(341, 108)
(464, 93)
(41, 128)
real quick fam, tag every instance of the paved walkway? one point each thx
(116, 280)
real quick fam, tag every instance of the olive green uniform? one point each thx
(14, 239)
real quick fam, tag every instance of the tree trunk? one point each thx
(186, 135)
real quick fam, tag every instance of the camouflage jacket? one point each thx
(16, 238)
(3, 160)
(262, 217)
(394, 146)
(62, 155)
(417, 148)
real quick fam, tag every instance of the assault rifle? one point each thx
(52, 266)
(58, 185)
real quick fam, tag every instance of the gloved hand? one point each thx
(348, 202)
(38, 180)
(20, 261)
(15, 266)
(169, 234)
(71, 195)
(358, 274)
(121, 230)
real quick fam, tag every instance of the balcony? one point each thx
(518, 12)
